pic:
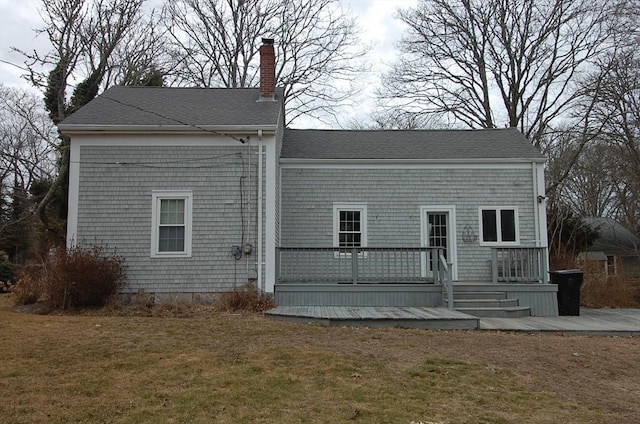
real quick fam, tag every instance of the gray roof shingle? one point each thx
(153, 106)
(506, 143)
(613, 237)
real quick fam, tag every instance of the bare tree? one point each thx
(617, 110)
(495, 63)
(27, 157)
(394, 119)
(216, 42)
(87, 39)
(589, 188)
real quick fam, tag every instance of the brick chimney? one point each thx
(267, 69)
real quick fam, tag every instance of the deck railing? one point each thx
(359, 265)
(519, 264)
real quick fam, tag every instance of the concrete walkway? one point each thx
(600, 322)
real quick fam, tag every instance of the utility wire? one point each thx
(241, 140)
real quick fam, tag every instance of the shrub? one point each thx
(245, 298)
(80, 277)
(31, 285)
(602, 291)
(73, 278)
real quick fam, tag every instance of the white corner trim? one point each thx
(542, 207)
(74, 193)
(270, 215)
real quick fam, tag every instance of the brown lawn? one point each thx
(216, 368)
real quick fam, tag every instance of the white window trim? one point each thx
(499, 226)
(337, 208)
(157, 196)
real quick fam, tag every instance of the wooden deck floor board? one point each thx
(426, 317)
(623, 322)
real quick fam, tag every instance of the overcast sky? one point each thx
(19, 18)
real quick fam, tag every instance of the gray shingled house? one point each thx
(616, 249)
(203, 189)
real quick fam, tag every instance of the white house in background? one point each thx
(203, 189)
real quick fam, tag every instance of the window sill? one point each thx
(170, 255)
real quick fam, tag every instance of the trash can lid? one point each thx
(566, 271)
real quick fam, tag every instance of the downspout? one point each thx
(249, 227)
(259, 261)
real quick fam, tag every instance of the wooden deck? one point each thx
(377, 316)
(599, 322)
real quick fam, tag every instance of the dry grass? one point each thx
(245, 298)
(599, 290)
(243, 368)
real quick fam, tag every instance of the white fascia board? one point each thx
(71, 129)
(409, 163)
(164, 139)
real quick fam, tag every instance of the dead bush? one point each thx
(246, 299)
(600, 290)
(74, 278)
(31, 285)
(84, 277)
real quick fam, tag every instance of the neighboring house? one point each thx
(203, 189)
(616, 249)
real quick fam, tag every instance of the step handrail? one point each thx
(447, 281)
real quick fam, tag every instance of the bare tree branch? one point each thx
(216, 42)
(495, 63)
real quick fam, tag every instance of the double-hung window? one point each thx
(499, 226)
(171, 223)
(349, 225)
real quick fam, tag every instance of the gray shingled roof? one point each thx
(153, 106)
(614, 238)
(412, 144)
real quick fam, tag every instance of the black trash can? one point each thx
(569, 282)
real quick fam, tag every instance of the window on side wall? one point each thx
(611, 265)
(171, 224)
(349, 225)
(499, 226)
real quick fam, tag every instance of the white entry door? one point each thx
(438, 230)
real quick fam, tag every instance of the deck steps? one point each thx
(488, 304)
(484, 303)
(506, 312)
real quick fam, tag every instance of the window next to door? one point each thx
(499, 226)
(349, 225)
(171, 223)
